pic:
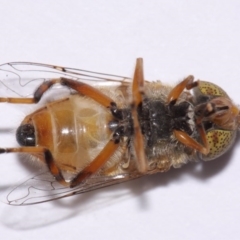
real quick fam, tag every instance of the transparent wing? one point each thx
(22, 78)
(44, 188)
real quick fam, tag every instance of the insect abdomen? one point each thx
(74, 129)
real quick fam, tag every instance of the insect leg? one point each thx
(47, 156)
(188, 83)
(18, 100)
(192, 143)
(98, 162)
(37, 95)
(137, 92)
(80, 87)
(94, 166)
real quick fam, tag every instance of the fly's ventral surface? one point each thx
(111, 129)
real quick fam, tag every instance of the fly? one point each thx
(108, 130)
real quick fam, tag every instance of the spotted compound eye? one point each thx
(219, 142)
(211, 89)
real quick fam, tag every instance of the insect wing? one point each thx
(44, 188)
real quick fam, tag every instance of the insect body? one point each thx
(102, 135)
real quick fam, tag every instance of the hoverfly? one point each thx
(112, 130)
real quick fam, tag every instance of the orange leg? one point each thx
(137, 92)
(80, 87)
(97, 163)
(94, 166)
(188, 83)
(47, 156)
(138, 83)
(192, 143)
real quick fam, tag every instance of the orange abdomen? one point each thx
(74, 129)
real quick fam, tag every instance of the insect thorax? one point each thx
(157, 121)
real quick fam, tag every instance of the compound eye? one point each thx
(25, 135)
(210, 89)
(219, 141)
